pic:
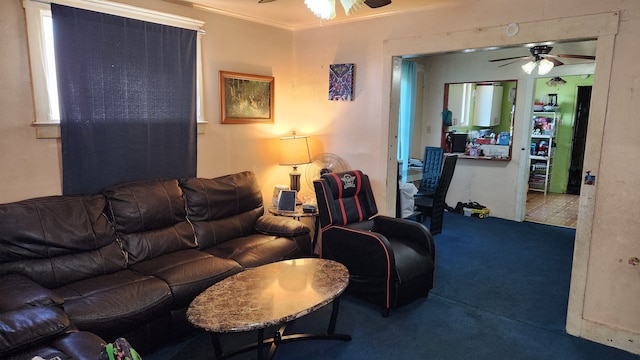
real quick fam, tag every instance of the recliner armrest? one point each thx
(409, 229)
(27, 327)
(367, 254)
(18, 292)
(280, 226)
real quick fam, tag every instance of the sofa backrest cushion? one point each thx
(57, 240)
(149, 217)
(223, 208)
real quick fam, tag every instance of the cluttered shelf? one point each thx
(463, 156)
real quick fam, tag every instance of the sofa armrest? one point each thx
(18, 292)
(280, 226)
(24, 328)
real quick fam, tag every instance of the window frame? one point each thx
(47, 126)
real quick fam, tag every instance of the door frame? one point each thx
(601, 27)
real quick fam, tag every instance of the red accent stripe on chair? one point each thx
(340, 201)
(388, 282)
(358, 187)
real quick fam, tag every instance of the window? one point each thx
(43, 75)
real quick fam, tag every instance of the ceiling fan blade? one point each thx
(574, 56)
(265, 1)
(513, 61)
(553, 59)
(377, 3)
(510, 58)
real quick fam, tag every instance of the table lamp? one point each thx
(294, 151)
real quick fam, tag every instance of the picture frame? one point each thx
(287, 200)
(246, 98)
(341, 82)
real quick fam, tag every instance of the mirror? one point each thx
(478, 119)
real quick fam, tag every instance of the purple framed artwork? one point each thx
(341, 82)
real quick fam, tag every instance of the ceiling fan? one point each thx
(541, 57)
(326, 9)
(371, 3)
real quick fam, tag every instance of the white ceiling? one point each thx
(294, 14)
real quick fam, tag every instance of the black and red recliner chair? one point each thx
(390, 260)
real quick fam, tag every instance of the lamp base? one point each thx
(294, 180)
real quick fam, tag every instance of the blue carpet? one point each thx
(501, 292)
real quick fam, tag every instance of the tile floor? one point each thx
(552, 209)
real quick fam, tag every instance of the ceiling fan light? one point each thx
(556, 81)
(324, 9)
(350, 6)
(544, 67)
(528, 67)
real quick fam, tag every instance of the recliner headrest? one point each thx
(345, 184)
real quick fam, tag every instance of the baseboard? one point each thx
(603, 334)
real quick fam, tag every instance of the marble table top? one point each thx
(297, 213)
(268, 295)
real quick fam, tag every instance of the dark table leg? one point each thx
(217, 347)
(334, 316)
(279, 338)
(316, 230)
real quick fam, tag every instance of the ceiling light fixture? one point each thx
(544, 66)
(528, 67)
(326, 9)
(556, 81)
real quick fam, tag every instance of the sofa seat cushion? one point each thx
(257, 249)
(72, 345)
(188, 272)
(107, 304)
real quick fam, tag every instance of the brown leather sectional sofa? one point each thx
(78, 270)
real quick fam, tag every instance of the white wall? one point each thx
(599, 271)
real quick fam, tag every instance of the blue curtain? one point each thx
(407, 112)
(127, 93)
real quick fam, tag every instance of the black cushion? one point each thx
(122, 300)
(19, 292)
(58, 240)
(149, 217)
(187, 272)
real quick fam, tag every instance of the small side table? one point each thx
(298, 214)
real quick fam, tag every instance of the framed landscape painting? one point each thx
(245, 98)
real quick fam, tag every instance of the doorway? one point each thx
(579, 140)
(579, 27)
(559, 205)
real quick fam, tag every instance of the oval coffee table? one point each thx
(270, 295)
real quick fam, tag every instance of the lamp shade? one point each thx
(544, 67)
(324, 9)
(294, 150)
(528, 67)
